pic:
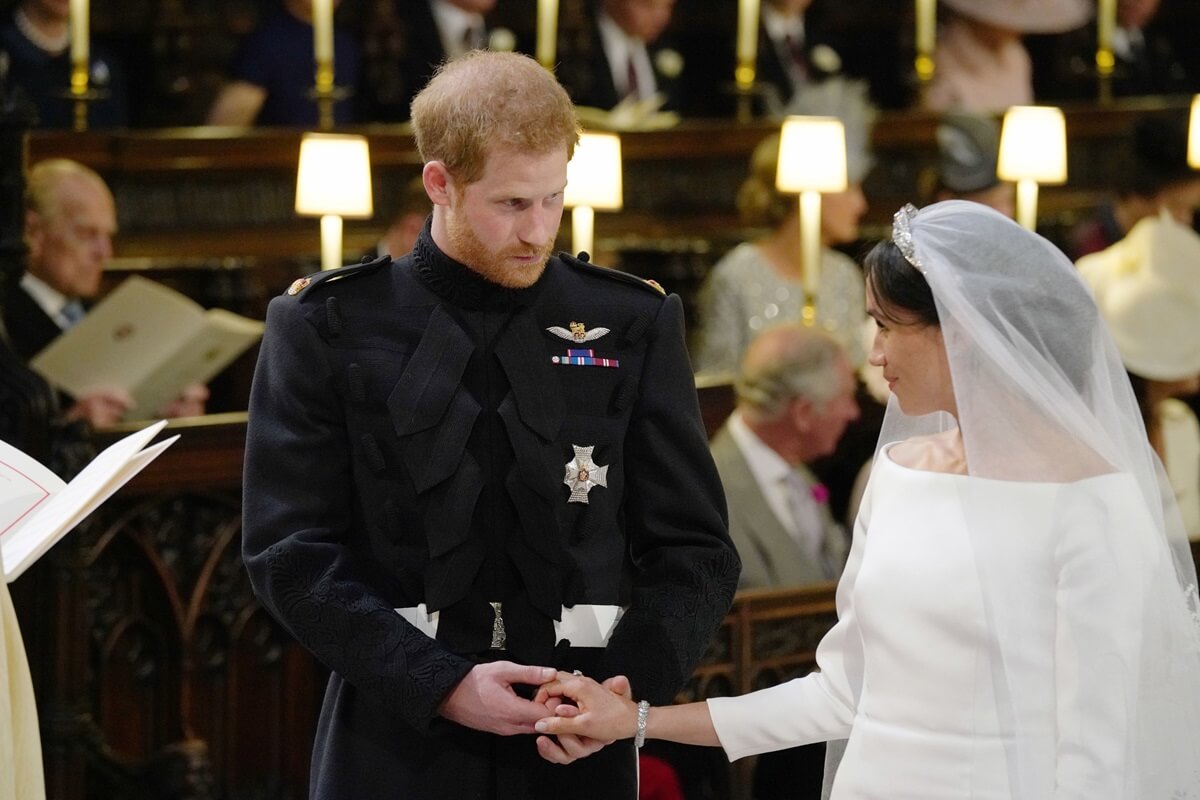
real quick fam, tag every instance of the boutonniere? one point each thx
(820, 493)
(825, 59)
(668, 62)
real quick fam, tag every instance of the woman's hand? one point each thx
(598, 715)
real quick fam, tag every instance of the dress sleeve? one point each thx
(821, 705)
(298, 522)
(1100, 601)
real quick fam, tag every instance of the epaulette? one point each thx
(581, 262)
(302, 286)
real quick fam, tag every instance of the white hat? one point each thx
(1028, 16)
(1148, 288)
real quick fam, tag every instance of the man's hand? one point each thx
(485, 701)
(100, 408)
(190, 402)
(567, 747)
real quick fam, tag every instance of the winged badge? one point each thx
(578, 332)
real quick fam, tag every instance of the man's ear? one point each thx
(801, 411)
(439, 184)
(34, 227)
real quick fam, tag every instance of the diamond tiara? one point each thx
(902, 234)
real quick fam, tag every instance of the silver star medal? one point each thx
(583, 474)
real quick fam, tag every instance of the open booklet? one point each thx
(37, 508)
(149, 340)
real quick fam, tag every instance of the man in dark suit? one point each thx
(70, 220)
(477, 465)
(622, 56)
(406, 41)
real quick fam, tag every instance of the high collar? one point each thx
(457, 283)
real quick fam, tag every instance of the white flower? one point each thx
(502, 40)
(825, 58)
(668, 62)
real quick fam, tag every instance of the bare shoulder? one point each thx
(939, 452)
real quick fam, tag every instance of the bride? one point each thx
(1018, 616)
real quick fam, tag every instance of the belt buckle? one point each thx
(498, 634)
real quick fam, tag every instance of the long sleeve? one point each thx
(299, 520)
(821, 705)
(685, 566)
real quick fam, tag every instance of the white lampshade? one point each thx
(1194, 134)
(594, 174)
(812, 155)
(1033, 145)
(334, 176)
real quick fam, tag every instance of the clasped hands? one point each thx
(575, 715)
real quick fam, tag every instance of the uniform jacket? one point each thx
(410, 428)
(770, 556)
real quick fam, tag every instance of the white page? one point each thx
(24, 486)
(110, 470)
(128, 335)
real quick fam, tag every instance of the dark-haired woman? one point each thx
(1018, 615)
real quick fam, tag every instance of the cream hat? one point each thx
(1027, 16)
(1148, 288)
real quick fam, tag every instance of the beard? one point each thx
(497, 266)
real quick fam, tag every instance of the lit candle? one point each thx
(1106, 22)
(547, 32)
(323, 31)
(926, 23)
(747, 41)
(78, 22)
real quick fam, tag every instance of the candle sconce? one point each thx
(81, 93)
(325, 94)
(925, 36)
(744, 75)
(1106, 22)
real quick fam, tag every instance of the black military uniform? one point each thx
(410, 428)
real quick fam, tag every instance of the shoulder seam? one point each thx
(614, 274)
(301, 287)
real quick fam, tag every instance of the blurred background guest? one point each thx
(982, 64)
(761, 283)
(36, 38)
(1148, 288)
(1152, 174)
(968, 148)
(1145, 59)
(273, 74)
(624, 57)
(409, 218)
(405, 40)
(795, 397)
(70, 220)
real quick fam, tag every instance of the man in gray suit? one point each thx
(795, 397)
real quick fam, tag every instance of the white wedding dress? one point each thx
(911, 673)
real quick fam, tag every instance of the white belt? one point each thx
(583, 625)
